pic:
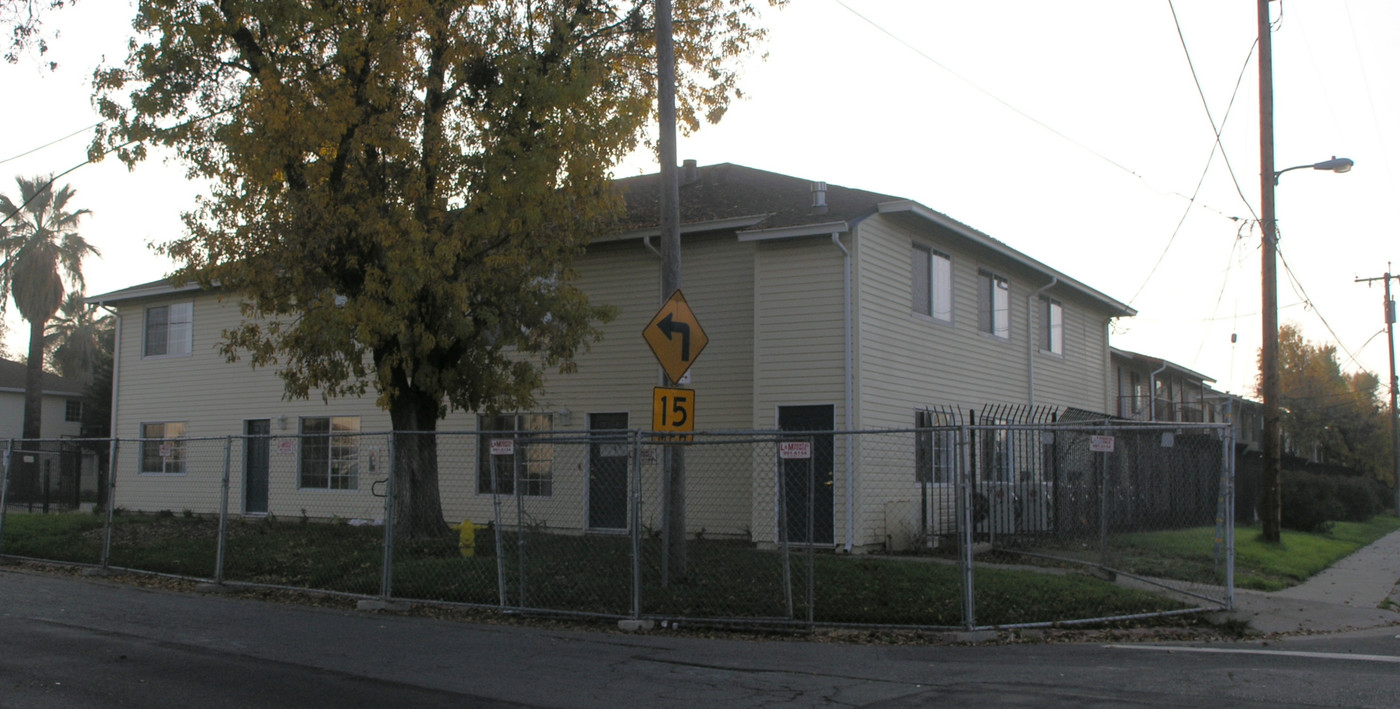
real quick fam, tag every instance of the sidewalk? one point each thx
(1346, 596)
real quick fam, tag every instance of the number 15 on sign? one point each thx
(672, 410)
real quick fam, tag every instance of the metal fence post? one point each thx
(223, 514)
(1101, 462)
(386, 580)
(5, 491)
(111, 504)
(636, 525)
(965, 531)
(519, 528)
(1229, 455)
(811, 534)
(500, 535)
(783, 540)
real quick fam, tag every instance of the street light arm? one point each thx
(1336, 164)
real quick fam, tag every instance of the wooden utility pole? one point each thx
(673, 455)
(1270, 501)
(1394, 417)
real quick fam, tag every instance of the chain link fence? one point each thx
(948, 525)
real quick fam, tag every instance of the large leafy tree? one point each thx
(400, 185)
(41, 253)
(24, 21)
(1339, 415)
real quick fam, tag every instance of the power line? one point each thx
(52, 142)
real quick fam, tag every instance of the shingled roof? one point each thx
(757, 205)
(722, 192)
(12, 379)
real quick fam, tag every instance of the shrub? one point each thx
(1309, 502)
(1360, 497)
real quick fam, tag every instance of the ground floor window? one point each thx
(163, 447)
(532, 459)
(330, 453)
(936, 445)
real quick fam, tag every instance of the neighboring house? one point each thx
(826, 308)
(62, 404)
(1245, 415)
(69, 472)
(1153, 389)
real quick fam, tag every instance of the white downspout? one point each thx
(1152, 391)
(1030, 331)
(112, 416)
(850, 395)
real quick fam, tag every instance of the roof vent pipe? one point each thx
(689, 172)
(819, 197)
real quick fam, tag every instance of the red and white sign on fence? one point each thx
(502, 446)
(795, 450)
(1101, 444)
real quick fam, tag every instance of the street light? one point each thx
(1270, 499)
(1336, 164)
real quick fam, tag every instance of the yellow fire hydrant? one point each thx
(466, 537)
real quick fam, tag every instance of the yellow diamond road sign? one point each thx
(675, 336)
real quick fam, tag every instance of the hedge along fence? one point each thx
(574, 523)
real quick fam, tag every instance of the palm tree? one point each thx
(76, 338)
(39, 245)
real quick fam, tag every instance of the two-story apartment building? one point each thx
(827, 308)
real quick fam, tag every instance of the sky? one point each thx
(1078, 132)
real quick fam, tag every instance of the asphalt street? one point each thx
(70, 641)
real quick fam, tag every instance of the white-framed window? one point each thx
(330, 453)
(936, 444)
(73, 411)
(532, 461)
(933, 283)
(169, 329)
(1052, 327)
(994, 305)
(163, 448)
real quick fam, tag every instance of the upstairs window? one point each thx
(1052, 329)
(169, 329)
(933, 283)
(994, 305)
(73, 411)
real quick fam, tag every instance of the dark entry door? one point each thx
(256, 454)
(608, 452)
(819, 506)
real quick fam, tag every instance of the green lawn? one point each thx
(576, 573)
(725, 579)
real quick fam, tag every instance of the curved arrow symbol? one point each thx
(668, 327)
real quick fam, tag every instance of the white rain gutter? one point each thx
(1030, 331)
(1152, 390)
(111, 495)
(850, 395)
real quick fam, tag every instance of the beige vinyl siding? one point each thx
(213, 397)
(910, 361)
(799, 356)
(618, 372)
(1075, 378)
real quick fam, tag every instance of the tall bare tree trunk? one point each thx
(34, 382)
(417, 499)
